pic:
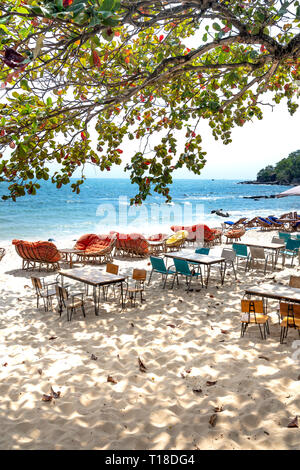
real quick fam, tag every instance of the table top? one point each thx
(267, 245)
(91, 275)
(195, 257)
(275, 291)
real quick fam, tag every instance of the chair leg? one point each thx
(150, 276)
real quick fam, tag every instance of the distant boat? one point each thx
(213, 180)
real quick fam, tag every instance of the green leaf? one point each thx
(216, 26)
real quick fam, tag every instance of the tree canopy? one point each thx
(286, 171)
(137, 70)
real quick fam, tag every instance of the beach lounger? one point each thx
(241, 221)
(290, 318)
(253, 314)
(95, 248)
(265, 224)
(42, 254)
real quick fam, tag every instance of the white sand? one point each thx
(178, 336)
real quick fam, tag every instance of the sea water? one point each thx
(104, 205)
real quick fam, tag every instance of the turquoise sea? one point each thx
(103, 205)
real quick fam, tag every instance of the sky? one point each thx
(254, 146)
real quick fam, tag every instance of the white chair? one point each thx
(257, 254)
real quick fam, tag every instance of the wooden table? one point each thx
(68, 254)
(92, 276)
(275, 291)
(206, 260)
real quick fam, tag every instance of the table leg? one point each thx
(207, 276)
(95, 300)
(122, 295)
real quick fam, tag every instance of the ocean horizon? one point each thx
(104, 204)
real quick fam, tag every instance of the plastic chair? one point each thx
(183, 269)
(241, 252)
(257, 254)
(158, 266)
(284, 236)
(202, 251)
(291, 250)
(229, 255)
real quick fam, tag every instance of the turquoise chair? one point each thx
(284, 236)
(158, 266)
(183, 269)
(241, 252)
(291, 250)
(202, 251)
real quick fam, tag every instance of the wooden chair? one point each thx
(69, 302)
(2, 253)
(290, 318)
(112, 269)
(254, 314)
(139, 277)
(44, 291)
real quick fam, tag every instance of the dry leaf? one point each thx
(93, 357)
(142, 366)
(293, 423)
(111, 379)
(47, 397)
(52, 337)
(218, 409)
(5, 364)
(188, 371)
(171, 325)
(55, 394)
(209, 383)
(213, 420)
(263, 357)
(225, 332)
(40, 371)
(197, 390)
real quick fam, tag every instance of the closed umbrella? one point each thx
(295, 191)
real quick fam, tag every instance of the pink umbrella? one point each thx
(295, 191)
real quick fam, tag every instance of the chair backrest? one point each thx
(298, 236)
(284, 236)
(277, 240)
(112, 268)
(240, 250)
(252, 306)
(294, 281)
(158, 264)
(289, 310)
(61, 293)
(228, 254)
(202, 251)
(139, 275)
(257, 252)
(292, 244)
(182, 266)
(36, 282)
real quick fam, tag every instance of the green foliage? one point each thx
(125, 71)
(286, 170)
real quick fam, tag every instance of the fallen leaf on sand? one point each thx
(263, 357)
(47, 397)
(111, 379)
(5, 364)
(20, 300)
(55, 394)
(26, 287)
(293, 423)
(225, 332)
(210, 383)
(93, 357)
(212, 296)
(197, 390)
(218, 409)
(188, 371)
(132, 324)
(170, 325)
(213, 420)
(142, 366)
(52, 337)
(40, 371)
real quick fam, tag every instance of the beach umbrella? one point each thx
(295, 191)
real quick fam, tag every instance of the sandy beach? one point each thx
(204, 387)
